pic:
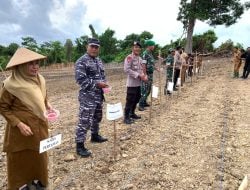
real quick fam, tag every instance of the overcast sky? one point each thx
(49, 20)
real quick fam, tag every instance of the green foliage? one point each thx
(68, 50)
(214, 12)
(11, 49)
(109, 45)
(3, 61)
(29, 43)
(204, 42)
(80, 48)
(226, 46)
(93, 33)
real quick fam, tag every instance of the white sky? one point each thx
(70, 19)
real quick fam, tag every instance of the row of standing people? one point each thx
(23, 101)
(140, 72)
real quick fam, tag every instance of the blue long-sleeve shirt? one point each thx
(88, 72)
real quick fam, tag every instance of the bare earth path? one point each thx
(197, 140)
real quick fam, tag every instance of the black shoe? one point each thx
(146, 104)
(128, 121)
(168, 92)
(140, 108)
(175, 89)
(81, 150)
(96, 138)
(134, 116)
(38, 185)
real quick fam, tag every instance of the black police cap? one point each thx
(93, 41)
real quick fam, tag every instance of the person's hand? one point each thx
(102, 85)
(157, 69)
(143, 77)
(24, 129)
(49, 107)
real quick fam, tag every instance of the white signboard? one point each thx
(114, 111)
(155, 92)
(50, 143)
(170, 86)
(178, 81)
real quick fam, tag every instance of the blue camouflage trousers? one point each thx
(90, 115)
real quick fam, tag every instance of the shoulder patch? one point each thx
(129, 58)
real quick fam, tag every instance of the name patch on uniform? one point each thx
(114, 111)
(50, 143)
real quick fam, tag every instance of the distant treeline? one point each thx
(112, 49)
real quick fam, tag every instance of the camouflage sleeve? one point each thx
(128, 68)
(81, 77)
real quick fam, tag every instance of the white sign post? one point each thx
(50, 143)
(114, 112)
(155, 92)
(170, 86)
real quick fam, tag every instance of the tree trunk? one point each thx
(190, 30)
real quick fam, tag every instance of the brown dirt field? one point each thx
(198, 139)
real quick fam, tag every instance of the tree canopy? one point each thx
(214, 12)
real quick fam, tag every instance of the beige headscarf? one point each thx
(30, 90)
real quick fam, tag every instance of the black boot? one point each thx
(127, 119)
(38, 185)
(146, 104)
(96, 138)
(81, 150)
(134, 116)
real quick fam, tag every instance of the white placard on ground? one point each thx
(179, 82)
(114, 111)
(50, 143)
(170, 86)
(155, 92)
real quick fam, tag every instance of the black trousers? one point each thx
(133, 97)
(176, 76)
(246, 70)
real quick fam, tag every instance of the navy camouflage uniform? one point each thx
(88, 72)
(146, 86)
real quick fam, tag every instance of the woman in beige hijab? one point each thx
(23, 103)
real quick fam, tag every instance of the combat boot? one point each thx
(81, 150)
(237, 74)
(234, 75)
(146, 104)
(96, 138)
(134, 116)
(38, 185)
(128, 120)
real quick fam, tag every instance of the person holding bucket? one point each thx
(90, 76)
(23, 102)
(133, 69)
(169, 71)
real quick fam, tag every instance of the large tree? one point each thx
(214, 12)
